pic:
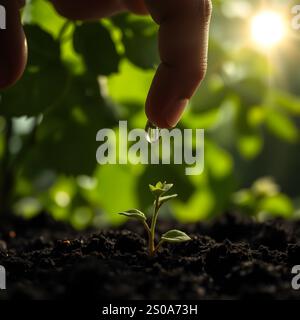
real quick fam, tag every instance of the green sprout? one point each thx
(172, 236)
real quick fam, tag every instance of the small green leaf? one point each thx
(167, 186)
(156, 192)
(160, 188)
(159, 185)
(134, 214)
(162, 200)
(175, 236)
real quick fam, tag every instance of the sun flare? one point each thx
(267, 29)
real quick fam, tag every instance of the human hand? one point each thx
(183, 41)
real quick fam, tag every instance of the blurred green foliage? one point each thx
(82, 77)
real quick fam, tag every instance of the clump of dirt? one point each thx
(231, 258)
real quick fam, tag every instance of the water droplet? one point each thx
(152, 132)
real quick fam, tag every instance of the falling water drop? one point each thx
(152, 132)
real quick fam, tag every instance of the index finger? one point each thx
(183, 42)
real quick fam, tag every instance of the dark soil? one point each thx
(231, 258)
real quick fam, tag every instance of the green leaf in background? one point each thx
(220, 162)
(82, 217)
(129, 88)
(256, 116)
(213, 90)
(250, 91)
(93, 41)
(140, 40)
(282, 126)
(175, 236)
(250, 145)
(134, 214)
(265, 187)
(199, 207)
(43, 48)
(33, 95)
(112, 199)
(66, 138)
(42, 13)
(278, 205)
(204, 120)
(245, 201)
(287, 101)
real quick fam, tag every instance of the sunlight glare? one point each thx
(267, 29)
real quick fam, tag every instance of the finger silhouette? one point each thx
(183, 42)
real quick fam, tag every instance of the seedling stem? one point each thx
(172, 236)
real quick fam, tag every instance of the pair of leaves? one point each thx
(172, 236)
(160, 188)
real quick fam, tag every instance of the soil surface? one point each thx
(230, 258)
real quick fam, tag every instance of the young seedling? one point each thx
(172, 236)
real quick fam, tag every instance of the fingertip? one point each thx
(165, 116)
(13, 53)
(155, 117)
(174, 112)
(184, 57)
(13, 71)
(153, 113)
